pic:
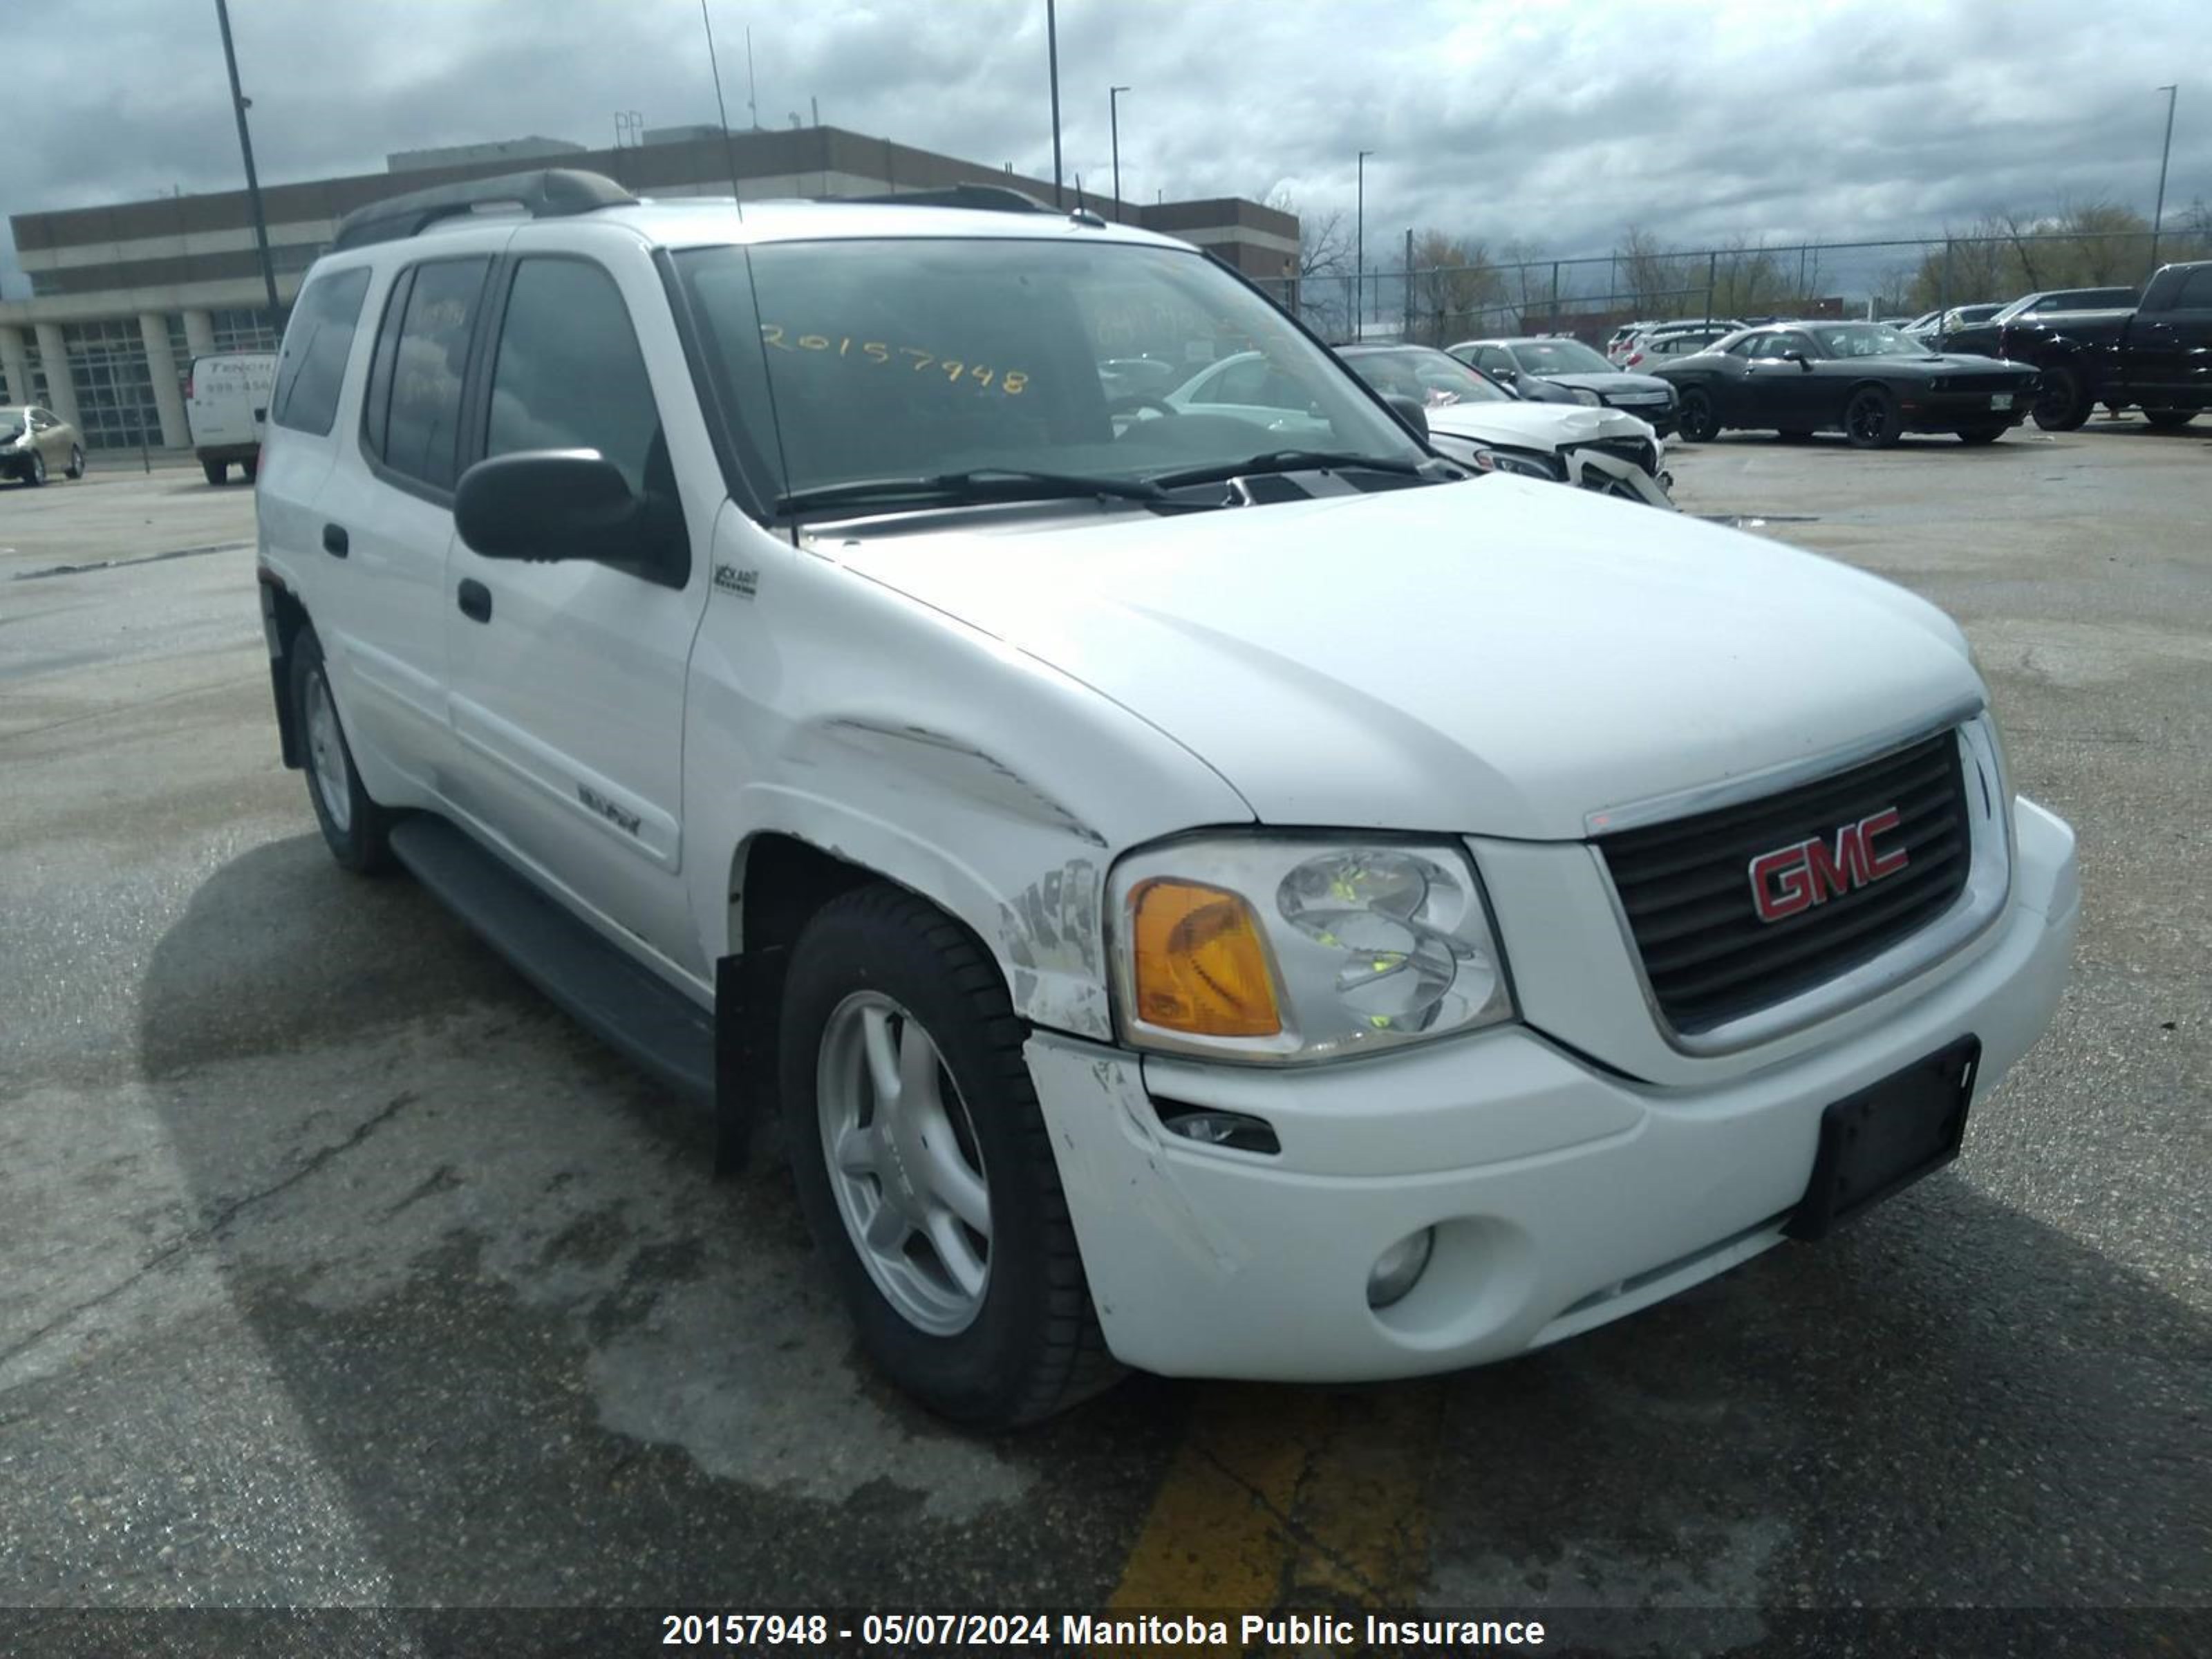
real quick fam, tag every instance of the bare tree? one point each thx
(1321, 295)
(1453, 280)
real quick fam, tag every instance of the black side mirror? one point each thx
(546, 504)
(1411, 411)
(1798, 358)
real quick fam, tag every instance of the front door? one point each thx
(567, 677)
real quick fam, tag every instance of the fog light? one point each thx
(1238, 1130)
(1399, 1268)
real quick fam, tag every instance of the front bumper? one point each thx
(1946, 412)
(1563, 1196)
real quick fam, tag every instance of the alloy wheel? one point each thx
(326, 753)
(904, 1163)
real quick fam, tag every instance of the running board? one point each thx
(632, 1011)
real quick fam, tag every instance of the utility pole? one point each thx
(1359, 251)
(239, 105)
(2158, 213)
(1114, 116)
(1052, 59)
(1408, 334)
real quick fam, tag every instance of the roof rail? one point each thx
(989, 198)
(548, 193)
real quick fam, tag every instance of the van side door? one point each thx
(567, 677)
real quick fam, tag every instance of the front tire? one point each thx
(1870, 419)
(1697, 423)
(215, 470)
(2169, 420)
(37, 474)
(355, 827)
(2061, 404)
(1982, 435)
(924, 1168)
(76, 462)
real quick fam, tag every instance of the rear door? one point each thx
(568, 678)
(386, 516)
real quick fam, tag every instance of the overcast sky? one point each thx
(1554, 125)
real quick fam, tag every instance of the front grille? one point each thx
(1637, 452)
(1686, 885)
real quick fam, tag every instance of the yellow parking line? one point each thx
(1296, 1499)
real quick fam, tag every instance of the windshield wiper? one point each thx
(1287, 461)
(987, 483)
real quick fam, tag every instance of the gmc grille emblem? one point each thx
(1809, 872)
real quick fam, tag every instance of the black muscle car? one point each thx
(1869, 380)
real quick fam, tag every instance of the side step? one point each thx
(649, 1021)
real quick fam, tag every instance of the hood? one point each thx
(1613, 384)
(1548, 427)
(1500, 657)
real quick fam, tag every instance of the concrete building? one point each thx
(123, 298)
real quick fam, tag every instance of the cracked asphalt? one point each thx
(341, 1269)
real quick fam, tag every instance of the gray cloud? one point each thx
(1552, 125)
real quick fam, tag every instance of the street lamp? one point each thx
(1052, 59)
(2158, 213)
(1359, 252)
(239, 105)
(1114, 116)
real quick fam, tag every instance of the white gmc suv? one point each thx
(1232, 910)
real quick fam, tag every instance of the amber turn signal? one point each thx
(1200, 967)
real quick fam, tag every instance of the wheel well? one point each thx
(780, 882)
(288, 617)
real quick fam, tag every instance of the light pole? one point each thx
(238, 104)
(1114, 117)
(1052, 59)
(2158, 213)
(1359, 252)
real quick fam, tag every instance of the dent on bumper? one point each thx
(1208, 1262)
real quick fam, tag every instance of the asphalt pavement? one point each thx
(342, 1269)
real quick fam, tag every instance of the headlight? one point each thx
(1285, 949)
(1530, 467)
(1583, 394)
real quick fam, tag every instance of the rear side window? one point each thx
(421, 423)
(316, 347)
(570, 374)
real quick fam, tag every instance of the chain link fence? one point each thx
(1590, 295)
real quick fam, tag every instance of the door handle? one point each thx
(334, 540)
(475, 600)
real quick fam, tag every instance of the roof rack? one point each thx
(988, 198)
(548, 193)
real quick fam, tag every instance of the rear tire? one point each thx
(1696, 423)
(1870, 419)
(2061, 404)
(215, 470)
(355, 827)
(76, 462)
(251, 469)
(994, 1327)
(1982, 435)
(2169, 420)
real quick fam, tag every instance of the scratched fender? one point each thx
(828, 708)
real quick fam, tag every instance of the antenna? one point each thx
(729, 152)
(753, 90)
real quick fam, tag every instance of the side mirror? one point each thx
(1798, 358)
(1409, 411)
(546, 504)
(1508, 375)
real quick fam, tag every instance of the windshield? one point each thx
(1557, 357)
(915, 358)
(1421, 372)
(1868, 340)
(12, 423)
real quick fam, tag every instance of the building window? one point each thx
(244, 330)
(180, 350)
(114, 388)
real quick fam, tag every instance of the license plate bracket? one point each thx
(1881, 1139)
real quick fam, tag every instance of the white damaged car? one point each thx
(1607, 450)
(1196, 896)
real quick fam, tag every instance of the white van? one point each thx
(226, 405)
